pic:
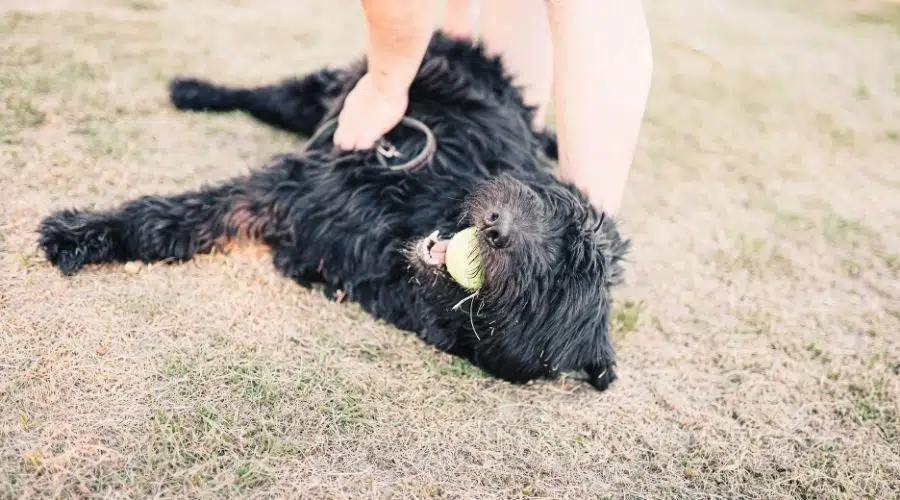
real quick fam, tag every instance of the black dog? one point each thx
(364, 231)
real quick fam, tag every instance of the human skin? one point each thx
(459, 18)
(398, 35)
(593, 55)
(602, 70)
(525, 46)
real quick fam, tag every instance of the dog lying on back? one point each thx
(365, 232)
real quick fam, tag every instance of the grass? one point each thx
(756, 336)
(625, 316)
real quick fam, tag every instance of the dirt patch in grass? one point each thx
(757, 335)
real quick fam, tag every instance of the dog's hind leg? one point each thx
(296, 105)
(162, 228)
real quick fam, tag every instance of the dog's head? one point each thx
(548, 262)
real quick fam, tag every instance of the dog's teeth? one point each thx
(434, 235)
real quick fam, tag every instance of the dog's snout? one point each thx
(496, 227)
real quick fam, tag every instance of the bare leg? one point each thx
(520, 31)
(602, 67)
(460, 18)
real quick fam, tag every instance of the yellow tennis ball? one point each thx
(463, 259)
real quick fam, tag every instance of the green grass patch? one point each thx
(892, 262)
(841, 136)
(447, 365)
(753, 254)
(885, 13)
(877, 405)
(142, 5)
(846, 232)
(626, 315)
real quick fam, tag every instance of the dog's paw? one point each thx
(69, 241)
(191, 94)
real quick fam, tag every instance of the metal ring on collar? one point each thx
(385, 149)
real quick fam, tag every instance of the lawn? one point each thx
(758, 336)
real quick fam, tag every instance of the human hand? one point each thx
(370, 110)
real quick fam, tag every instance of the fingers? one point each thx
(352, 134)
(369, 113)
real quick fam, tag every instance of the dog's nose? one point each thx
(496, 228)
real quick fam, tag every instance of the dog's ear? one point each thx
(595, 363)
(601, 366)
(601, 375)
(602, 372)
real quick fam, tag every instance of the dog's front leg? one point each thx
(161, 228)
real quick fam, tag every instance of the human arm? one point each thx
(602, 72)
(398, 35)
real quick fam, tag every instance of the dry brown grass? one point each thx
(758, 338)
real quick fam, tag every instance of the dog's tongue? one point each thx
(439, 251)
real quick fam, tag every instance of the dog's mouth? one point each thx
(458, 255)
(432, 249)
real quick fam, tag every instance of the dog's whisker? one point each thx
(471, 310)
(463, 301)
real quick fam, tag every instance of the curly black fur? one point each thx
(342, 220)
